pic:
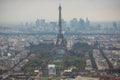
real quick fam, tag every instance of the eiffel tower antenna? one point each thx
(59, 2)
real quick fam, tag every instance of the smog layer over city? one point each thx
(59, 39)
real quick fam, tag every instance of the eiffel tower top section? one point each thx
(60, 24)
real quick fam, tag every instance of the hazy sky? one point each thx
(30, 10)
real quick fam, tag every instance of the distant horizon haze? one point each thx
(17, 11)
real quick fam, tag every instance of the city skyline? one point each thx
(16, 11)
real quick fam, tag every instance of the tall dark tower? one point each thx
(60, 43)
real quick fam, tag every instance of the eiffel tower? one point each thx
(61, 42)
